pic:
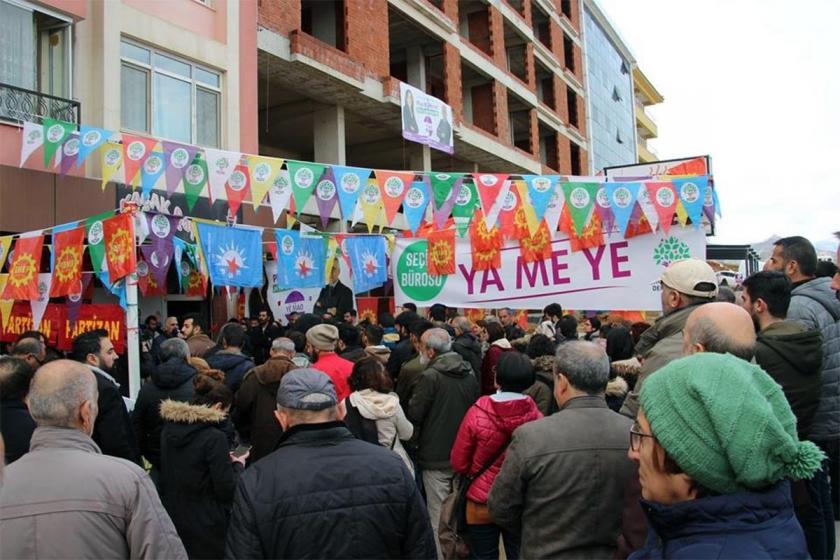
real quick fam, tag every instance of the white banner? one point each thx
(301, 300)
(619, 275)
(426, 119)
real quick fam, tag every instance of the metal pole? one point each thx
(132, 328)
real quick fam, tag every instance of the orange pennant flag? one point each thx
(23, 272)
(440, 252)
(119, 246)
(68, 248)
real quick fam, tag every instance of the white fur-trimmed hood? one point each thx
(186, 413)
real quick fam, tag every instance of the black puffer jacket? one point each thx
(197, 477)
(469, 348)
(171, 380)
(359, 502)
(235, 366)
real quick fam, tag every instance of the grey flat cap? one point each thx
(306, 389)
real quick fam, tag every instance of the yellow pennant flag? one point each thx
(372, 206)
(332, 255)
(530, 214)
(5, 243)
(111, 155)
(5, 304)
(263, 171)
(682, 215)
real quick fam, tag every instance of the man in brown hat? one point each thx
(321, 341)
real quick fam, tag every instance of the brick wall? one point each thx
(452, 80)
(564, 159)
(497, 37)
(502, 119)
(534, 137)
(282, 16)
(364, 22)
(482, 108)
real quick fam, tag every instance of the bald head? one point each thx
(720, 328)
(63, 394)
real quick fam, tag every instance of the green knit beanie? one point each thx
(726, 423)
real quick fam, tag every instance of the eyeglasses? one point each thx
(636, 439)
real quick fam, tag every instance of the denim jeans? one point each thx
(816, 516)
(483, 541)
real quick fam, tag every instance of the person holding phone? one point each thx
(198, 472)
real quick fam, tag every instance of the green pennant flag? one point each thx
(55, 133)
(465, 204)
(95, 234)
(442, 184)
(195, 177)
(579, 199)
(304, 177)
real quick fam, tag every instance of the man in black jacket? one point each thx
(230, 358)
(16, 424)
(324, 493)
(112, 431)
(335, 298)
(466, 344)
(404, 350)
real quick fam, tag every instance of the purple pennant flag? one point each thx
(69, 152)
(709, 203)
(602, 208)
(326, 195)
(159, 257)
(74, 301)
(177, 157)
(442, 214)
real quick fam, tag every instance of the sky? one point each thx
(755, 84)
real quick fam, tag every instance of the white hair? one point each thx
(283, 344)
(438, 340)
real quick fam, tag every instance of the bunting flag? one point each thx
(645, 203)
(490, 189)
(5, 243)
(537, 247)
(394, 186)
(540, 190)
(95, 234)
(301, 260)
(682, 215)
(709, 202)
(349, 182)
(263, 170)
(591, 237)
(150, 172)
(555, 209)
(182, 268)
(177, 159)
(157, 262)
(234, 255)
(280, 193)
(304, 177)
(415, 203)
(622, 197)
(119, 247)
(368, 262)
(92, 139)
(54, 134)
(5, 304)
(33, 138)
(445, 190)
(326, 197)
(691, 192)
(68, 251)
(579, 200)
(159, 254)
(486, 246)
(39, 304)
(112, 161)
(525, 220)
(197, 285)
(238, 186)
(440, 252)
(603, 208)
(507, 214)
(664, 198)
(73, 300)
(69, 153)
(144, 275)
(135, 151)
(220, 166)
(23, 272)
(195, 178)
(371, 204)
(465, 204)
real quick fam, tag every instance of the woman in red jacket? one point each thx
(485, 431)
(498, 346)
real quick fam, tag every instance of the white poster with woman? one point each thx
(426, 119)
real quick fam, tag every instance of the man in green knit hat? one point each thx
(716, 444)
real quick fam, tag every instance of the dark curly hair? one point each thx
(369, 373)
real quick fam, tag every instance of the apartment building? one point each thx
(645, 94)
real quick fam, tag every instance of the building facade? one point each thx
(645, 94)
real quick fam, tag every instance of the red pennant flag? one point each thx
(136, 149)
(537, 247)
(23, 272)
(592, 236)
(196, 286)
(664, 198)
(486, 246)
(119, 246)
(238, 187)
(440, 253)
(489, 186)
(394, 186)
(510, 206)
(68, 249)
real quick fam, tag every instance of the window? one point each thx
(571, 106)
(169, 97)
(566, 8)
(574, 156)
(618, 137)
(568, 53)
(615, 95)
(624, 69)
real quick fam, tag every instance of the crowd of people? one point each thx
(711, 433)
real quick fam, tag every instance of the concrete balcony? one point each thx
(646, 155)
(645, 125)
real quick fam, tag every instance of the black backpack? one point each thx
(362, 428)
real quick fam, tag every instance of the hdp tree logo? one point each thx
(670, 250)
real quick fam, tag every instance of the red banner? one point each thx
(56, 325)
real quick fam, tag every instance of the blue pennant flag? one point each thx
(301, 259)
(622, 198)
(414, 204)
(349, 182)
(367, 260)
(117, 288)
(540, 189)
(233, 254)
(150, 172)
(90, 139)
(692, 193)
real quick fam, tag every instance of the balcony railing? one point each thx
(19, 104)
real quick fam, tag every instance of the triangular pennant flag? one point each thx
(664, 198)
(23, 271)
(507, 214)
(526, 213)
(537, 247)
(111, 157)
(263, 171)
(579, 200)
(135, 151)
(95, 235)
(68, 250)
(195, 177)
(39, 304)
(150, 172)
(414, 205)
(326, 197)
(647, 206)
(603, 208)
(555, 209)
(709, 203)
(5, 243)
(490, 189)
(304, 176)
(394, 186)
(465, 204)
(69, 152)
(622, 197)
(158, 259)
(220, 166)
(445, 190)
(540, 190)
(117, 288)
(5, 304)
(238, 186)
(440, 252)
(177, 158)
(119, 246)
(55, 133)
(280, 194)
(349, 181)
(74, 299)
(717, 203)
(371, 203)
(368, 262)
(691, 192)
(91, 139)
(31, 139)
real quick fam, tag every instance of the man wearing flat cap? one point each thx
(683, 286)
(321, 341)
(323, 493)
